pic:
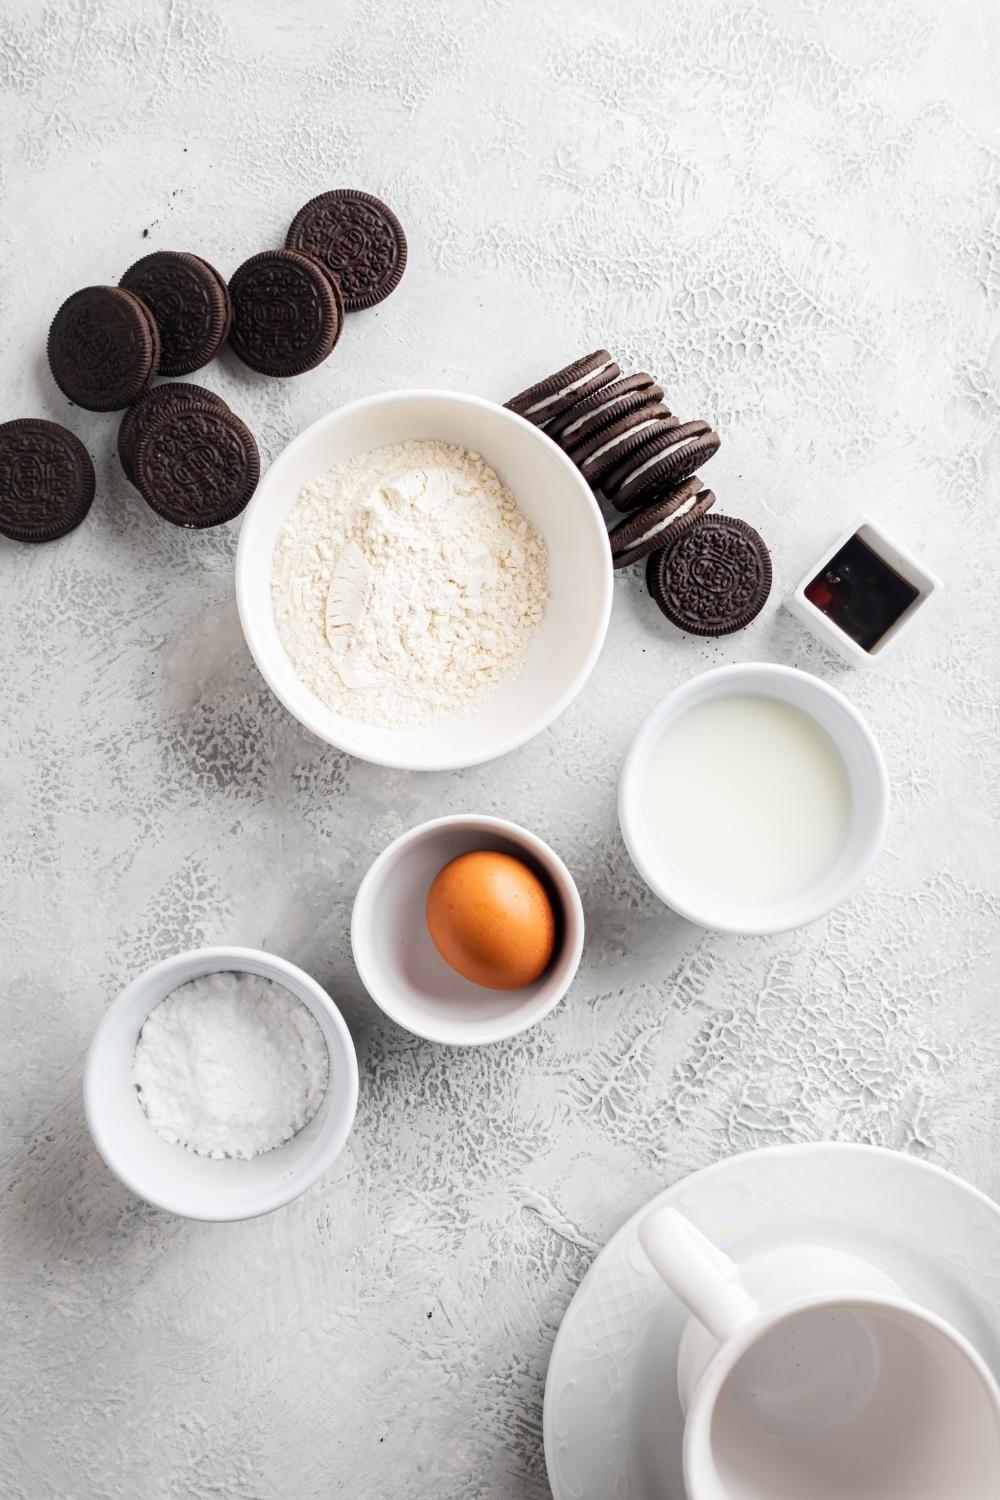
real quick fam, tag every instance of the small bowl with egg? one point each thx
(322, 598)
(480, 893)
(753, 799)
(173, 1176)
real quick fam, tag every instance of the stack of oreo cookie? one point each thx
(191, 458)
(709, 574)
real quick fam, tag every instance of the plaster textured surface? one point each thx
(790, 213)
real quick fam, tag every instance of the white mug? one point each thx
(808, 1374)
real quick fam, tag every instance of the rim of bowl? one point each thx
(498, 1030)
(282, 969)
(302, 711)
(657, 878)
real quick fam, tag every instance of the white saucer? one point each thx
(613, 1424)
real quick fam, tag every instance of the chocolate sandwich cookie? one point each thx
(104, 348)
(551, 397)
(359, 241)
(197, 465)
(148, 408)
(659, 524)
(665, 457)
(190, 302)
(287, 313)
(619, 399)
(47, 480)
(714, 579)
(611, 445)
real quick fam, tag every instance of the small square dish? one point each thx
(863, 593)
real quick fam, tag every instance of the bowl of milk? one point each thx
(753, 799)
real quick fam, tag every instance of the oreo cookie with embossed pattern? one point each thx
(148, 408)
(47, 480)
(660, 524)
(104, 348)
(190, 302)
(359, 241)
(287, 313)
(197, 465)
(713, 579)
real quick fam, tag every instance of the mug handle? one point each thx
(697, 1272)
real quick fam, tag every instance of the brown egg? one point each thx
(490, 917)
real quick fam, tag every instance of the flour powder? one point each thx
(407, 585)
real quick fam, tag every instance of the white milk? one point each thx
(749, 798)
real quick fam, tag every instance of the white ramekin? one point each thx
(170, 1176)
(550, 491)
(909, 568)
(869, 790)
(403, 971)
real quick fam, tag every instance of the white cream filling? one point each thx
(568, 431)
(681, 510)
(569, 389)
(620, 439)
(661, 453)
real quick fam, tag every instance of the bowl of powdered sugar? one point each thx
(221, 1083)
(424, 579)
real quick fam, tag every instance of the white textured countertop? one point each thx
(790, 214)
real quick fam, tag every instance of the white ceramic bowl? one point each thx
(400, 966)
(869, 797)
(549, 490)
(174, 1178)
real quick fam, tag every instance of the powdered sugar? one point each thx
(230, 1065)
(407, 584)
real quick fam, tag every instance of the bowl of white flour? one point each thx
(424, 579)
(221, 1083)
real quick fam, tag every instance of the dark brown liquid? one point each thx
(860, 593)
